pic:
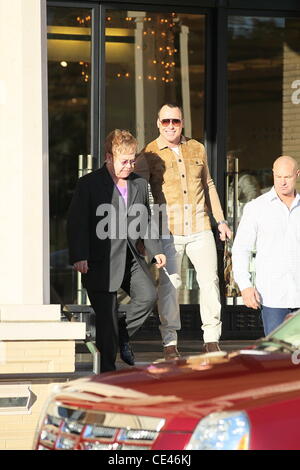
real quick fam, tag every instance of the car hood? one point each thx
(195, 385)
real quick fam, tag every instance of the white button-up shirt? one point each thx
(273, 230)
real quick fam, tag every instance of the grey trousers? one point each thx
(110, 329)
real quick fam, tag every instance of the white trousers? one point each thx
(201, 250)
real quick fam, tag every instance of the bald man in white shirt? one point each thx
(270, 225)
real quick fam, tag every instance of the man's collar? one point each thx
(272, 195)
(162, 143)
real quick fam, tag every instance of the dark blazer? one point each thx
(98, 207)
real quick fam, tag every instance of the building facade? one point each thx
(70, 72)
(234, 66)
(83, 68)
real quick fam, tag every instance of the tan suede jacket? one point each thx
(183, 183)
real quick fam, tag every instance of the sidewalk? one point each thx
(147, 351)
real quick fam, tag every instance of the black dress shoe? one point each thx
(126, 353)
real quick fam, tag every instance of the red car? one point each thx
(249, 399)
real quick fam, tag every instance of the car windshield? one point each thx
(285, 337)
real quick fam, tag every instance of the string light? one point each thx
(163, 34)
(84, 20)
(85, 67)
(124, 75)
(160, 34)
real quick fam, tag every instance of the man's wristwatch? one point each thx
(223, 222)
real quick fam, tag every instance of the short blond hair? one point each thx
(120, 141)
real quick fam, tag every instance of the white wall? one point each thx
(24, 243)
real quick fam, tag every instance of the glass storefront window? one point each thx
(69, 93)
(263, 110)
(153, 58)
(150, 58)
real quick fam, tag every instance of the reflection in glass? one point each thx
(69, 78)
(263, 111)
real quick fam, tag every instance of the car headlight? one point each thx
(221, 431)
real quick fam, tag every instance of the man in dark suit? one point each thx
(109, 224)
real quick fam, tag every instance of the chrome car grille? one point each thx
(68, 428)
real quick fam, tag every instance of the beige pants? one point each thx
(201, 250)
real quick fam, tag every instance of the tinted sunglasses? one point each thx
(166, 122)
(127, 162)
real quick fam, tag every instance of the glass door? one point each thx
(152, 58)
(69, 94)
(149, 58)
(263, 112)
